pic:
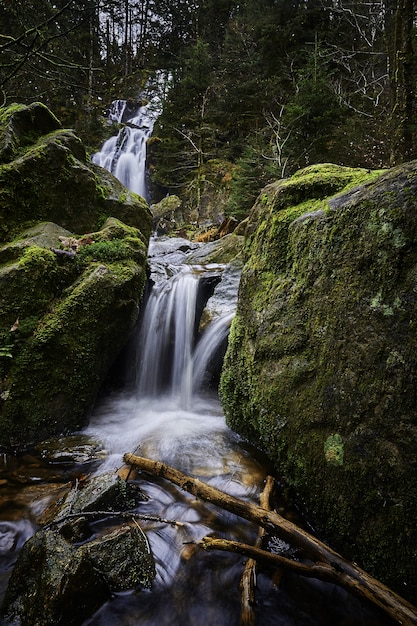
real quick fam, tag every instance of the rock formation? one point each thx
(321, 369)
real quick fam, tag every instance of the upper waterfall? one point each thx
(124, 154)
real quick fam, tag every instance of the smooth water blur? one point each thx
(124, 154)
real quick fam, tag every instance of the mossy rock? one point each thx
(22, 125)
(45, 176)
(53, 583)
(221, 251)
(321, 368)
(56, 583)
(63, 321)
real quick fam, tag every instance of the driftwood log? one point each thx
(327, 565)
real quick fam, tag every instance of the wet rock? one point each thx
(105, 492)
(71, 450)
(65, 572)
(53, 584)
(224, 298)
(64, 322)
(220, 251)
(167, 215)
(123, 557)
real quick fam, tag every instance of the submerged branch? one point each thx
(248, 578)
(340, 570)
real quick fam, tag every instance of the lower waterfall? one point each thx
(161, 402)
(168, 410)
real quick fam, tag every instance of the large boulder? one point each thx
(321, 369)
(73, 254)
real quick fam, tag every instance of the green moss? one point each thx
(333, 450)
(108, 251)
(74, 315)
(324, 342)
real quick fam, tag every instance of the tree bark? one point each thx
(331, 564)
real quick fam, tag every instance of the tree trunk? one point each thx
(402, 65)
(332, 567)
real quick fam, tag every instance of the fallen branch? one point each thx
(248, 578)
(340, 570)
(123, 514)
(321, 571)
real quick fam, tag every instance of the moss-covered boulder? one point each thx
(45, 176)
(321, 369)
(63, 320)
(167, 215)
(73, 248)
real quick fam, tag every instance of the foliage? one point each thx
(267, 85)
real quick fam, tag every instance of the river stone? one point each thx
(221, 251)
(74, 449)
(123, 557)
(321, 368)
(104, 492)
(167, 215)
(53, 584)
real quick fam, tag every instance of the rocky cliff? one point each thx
(73, 247)
(321, 369)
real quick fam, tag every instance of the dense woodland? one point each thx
(256, 89)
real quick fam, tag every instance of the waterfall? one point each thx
(210, 350)
(167, 337)
(173, 357)
(124, 154)
(169, 403)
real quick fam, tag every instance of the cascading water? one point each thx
(124, 155)
(166, 413)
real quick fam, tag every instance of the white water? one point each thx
(124, 155)
(169, 414)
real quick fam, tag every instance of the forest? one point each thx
(255, 89)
